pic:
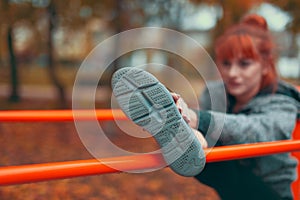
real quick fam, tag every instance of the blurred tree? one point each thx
(11, 13)
(118, 15)
(14, 90)
(52, 17)
(122, 15)
(232, 11)
(291, 7)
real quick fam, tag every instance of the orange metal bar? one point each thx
(241, 151)
(49, 171)
(61, 115)
(59, 170)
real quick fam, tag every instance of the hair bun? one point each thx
(255, 20)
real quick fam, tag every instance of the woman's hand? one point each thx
(190, 117)
(200, 138)
(187, 114)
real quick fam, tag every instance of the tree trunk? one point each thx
(14, 95)
(51, 65)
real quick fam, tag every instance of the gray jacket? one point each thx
(268, 116)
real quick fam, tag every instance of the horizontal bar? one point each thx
(60, 115)
(59, 170)
(241, 151)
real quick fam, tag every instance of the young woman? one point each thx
(259, 108)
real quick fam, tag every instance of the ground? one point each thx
(41, 142)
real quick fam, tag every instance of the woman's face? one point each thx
(242, 77)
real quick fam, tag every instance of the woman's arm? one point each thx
(273, 120)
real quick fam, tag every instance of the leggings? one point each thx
(235, 182)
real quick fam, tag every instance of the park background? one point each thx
(43, 44)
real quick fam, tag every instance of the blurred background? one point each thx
(44, 42)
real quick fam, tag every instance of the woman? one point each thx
(259, 108)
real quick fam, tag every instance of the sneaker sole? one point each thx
(150, 105)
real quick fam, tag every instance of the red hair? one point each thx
(250, 38)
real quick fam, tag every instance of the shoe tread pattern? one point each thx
(149, 104)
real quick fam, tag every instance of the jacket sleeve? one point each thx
(274, 119)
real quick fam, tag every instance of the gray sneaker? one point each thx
(150, 105)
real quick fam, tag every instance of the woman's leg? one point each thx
(254, 187)
(233, 181)
(223, 177)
